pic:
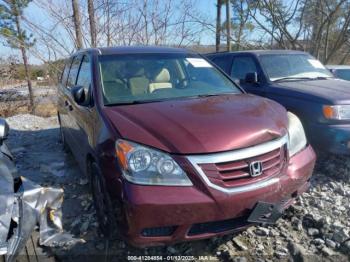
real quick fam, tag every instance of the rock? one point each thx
(313, 231)
(239, 259)
(318, 241)
(239, 244)
(260, 247)
(308, 221)
(327, 251)
(273, 233)
(296, 224)
(83, 181)
(281, 252)
(100, 246)
(298, 252)
(340, 235)
(75, 222)
(171, 250)
(346, 247)
(331, 243)
(261, 231)
(84, 227)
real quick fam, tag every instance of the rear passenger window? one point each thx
(241, 66)
(84, 77)
(224, 62)
(73, 72)
(65, 72)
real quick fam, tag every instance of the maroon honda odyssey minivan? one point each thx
(174, 150)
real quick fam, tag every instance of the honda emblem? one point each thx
(255, 168)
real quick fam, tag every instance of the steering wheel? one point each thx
(182, 83)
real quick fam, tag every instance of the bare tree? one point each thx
(92, 21)
(228, 25)
(77, 24)
(218, 25)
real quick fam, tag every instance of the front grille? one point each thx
(236, 173)
(218, 226)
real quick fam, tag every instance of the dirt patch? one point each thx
(15, 101)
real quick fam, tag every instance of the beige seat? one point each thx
(113, 87)
(161, 81)
(138, 82)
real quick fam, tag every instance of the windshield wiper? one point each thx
(301, 78)
(323, 77)
(135, 102)
(218, 94)
(132, 102)
(292, 78)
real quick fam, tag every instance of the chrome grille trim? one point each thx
(234, 155)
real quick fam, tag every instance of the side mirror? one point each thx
(4, 130)
(78, 94)
(251, 78)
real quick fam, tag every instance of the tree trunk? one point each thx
(316, 22)
(24, 57)
(218, 25)
(77, 24)
(91, 12)
(29, 82)
(108, 23)
(228, 25)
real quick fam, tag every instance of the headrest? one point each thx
(163, 76)
(134, 69)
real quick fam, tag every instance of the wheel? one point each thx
(103, 204)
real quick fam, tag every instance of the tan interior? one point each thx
(162, 80)
(138, 85)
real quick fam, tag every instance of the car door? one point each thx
(61, 107)
(82, 114)
(68, 102)
(241, 66)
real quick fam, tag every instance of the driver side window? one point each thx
(241, 66)
(84, 78)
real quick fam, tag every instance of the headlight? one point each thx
(146, 166)
(297, 138)
(337, 112)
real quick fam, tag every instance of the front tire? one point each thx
(103, 203)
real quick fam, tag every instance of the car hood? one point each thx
(200, 125)
(333, 90)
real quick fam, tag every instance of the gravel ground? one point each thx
(316, 228)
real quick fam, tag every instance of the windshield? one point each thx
(343, 73)
(296, 66)
(136, 78)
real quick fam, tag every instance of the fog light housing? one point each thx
(158, 231)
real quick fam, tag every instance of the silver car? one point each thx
(23, 205)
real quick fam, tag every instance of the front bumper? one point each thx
(330, 138)
(158, 215)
